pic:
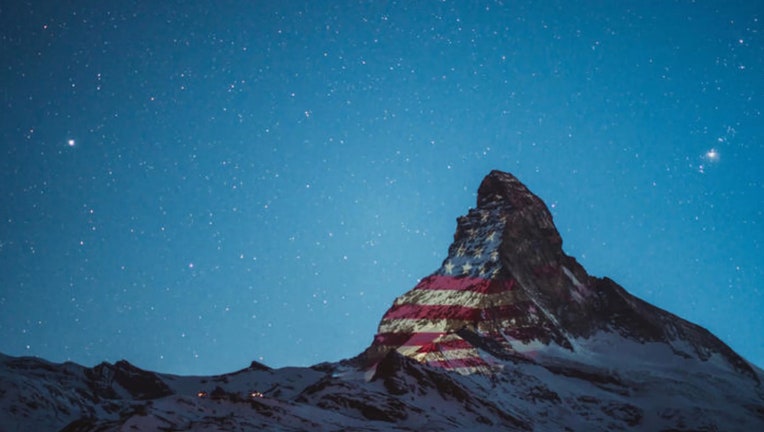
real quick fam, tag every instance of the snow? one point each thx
(607, 383)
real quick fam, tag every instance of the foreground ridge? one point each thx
(508, 334)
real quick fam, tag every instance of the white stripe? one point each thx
(457, 354)
(408, 325)
(459, 298)
(408, 350)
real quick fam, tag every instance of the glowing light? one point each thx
(709, 158)
(71, 142)
(712, 155)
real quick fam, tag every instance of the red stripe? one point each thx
(477, 285)
(438, 282)
(458, 363)
(422, 338)
(454, 344)
(410, 311)
(445, 346)
(394, 339)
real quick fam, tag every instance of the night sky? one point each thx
(195, 185)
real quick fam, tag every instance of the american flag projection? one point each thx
(470, 292)
(492, 296)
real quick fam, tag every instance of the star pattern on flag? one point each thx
(466, 267)
(475, 252)
(469, 289)
(448, 267)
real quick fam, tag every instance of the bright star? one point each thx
(71, 142)
(712, 155)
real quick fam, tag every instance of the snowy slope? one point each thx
(639, 387)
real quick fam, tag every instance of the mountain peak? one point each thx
(492, 290)
(502, 187)
(507, 290)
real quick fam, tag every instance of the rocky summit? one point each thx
(509, 334)
(507, 289)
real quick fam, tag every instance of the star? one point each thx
(483, 271)
(460, 251)
(712, 155)
(478, 253)
(494, 256)
(449, 267)
(466, 268)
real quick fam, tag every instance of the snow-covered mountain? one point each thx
(508, 334)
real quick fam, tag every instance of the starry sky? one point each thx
(192, 185)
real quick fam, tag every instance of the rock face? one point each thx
(509, 334)
(503, 280)
(507, 289)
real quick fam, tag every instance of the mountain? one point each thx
(507, 289)
(508, 334)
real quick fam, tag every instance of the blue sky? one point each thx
(191, 187)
